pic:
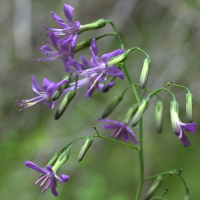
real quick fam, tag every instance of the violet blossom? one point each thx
(60, 53)
(69, 31)
(44, 96)
(49, 177)
(120, 130)
(100, 69)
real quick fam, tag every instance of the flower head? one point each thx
(59, 53)
(43, 96)
(49, 177)
(100, 68)
(120, 130)
(69, 31)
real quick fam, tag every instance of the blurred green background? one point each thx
(168, 30)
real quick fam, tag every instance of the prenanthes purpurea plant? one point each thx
(100, 74)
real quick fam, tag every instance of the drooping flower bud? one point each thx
(65, 102)
(189, 99)
(88, 142)
(113, 105)
(132, 110)
(145, 72)
(154, 187)
(174, 117)
(120, 58)
(94, 25)
(158, 115)
(58, 92)
(143, 106)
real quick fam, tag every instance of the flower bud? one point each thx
(158, 114)
(58, 92)
(65, 102)
(112, 105)
(94, 25)
(154, 187)
(145, 72)
(120, 58)
(132, 110)
(174, 117)
(189, 99)
(88, 142)
(143, 106)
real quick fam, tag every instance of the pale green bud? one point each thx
(130, 113)
(174, 117)
(120, 58)
(143, 106)
(94, 25)
(65, 102)
(189, 99)
(156, 184)
(158, 114)
(145, 73)
(88, 142)
(83, 45)
(59, 91)
(113, 105)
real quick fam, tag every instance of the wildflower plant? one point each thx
(101, 74)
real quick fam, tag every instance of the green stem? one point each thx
(181, 87)
(141, 160)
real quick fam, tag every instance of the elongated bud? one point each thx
(94, 25)
(83, 45)
(189, 99)
(58, 92)
(143, 106)
(88, 142)
(174, 117)
(120, 58)
(145, 73)
(130, 113)
(156, 184)
(65, 102)
(113, 105)
(158, 113)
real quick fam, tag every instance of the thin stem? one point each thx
(141, 160)
(181, 87)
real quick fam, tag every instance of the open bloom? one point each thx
(120, 130)
(49, 177)
(59, 53)
(100, 68)
(69, 31)
(43, 96)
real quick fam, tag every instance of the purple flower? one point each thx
(59, 53)
(48, 176)
(43, 96)
(100, 68)
(68, 31)
(190, 127)
(120, 130)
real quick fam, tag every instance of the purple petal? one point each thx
(76, 25)
(60, 21)
(94, 50)
(49, 169)
(85, 62)
(101, 86)
(35, 167)
(110, 126)
(73, 44)
(65, 46)
(106, 57)
(111, 121)
(185, 140)
(45, 48)
(75, 64)
(126, 137)
(36, 88)
(191, 127)
(114, 71)
(132, 135)
(66, 65)
(69, 12)
(64, 178)
(89, 94)
(50, 104)
(53, 188)
(47, 83)
(54, 39)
